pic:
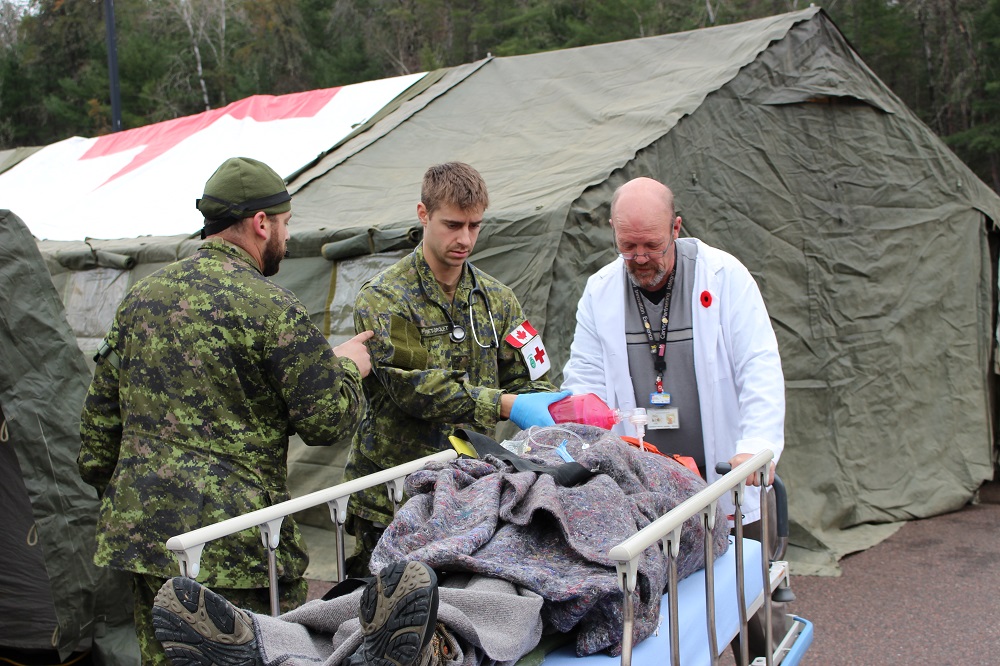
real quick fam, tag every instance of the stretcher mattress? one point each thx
(655, 650)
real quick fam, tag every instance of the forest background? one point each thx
(179, 57)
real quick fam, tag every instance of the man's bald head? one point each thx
(644, 224)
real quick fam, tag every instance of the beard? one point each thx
(648, 280)
(274, 252)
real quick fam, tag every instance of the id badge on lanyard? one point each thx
(663, 418)
(661, 415)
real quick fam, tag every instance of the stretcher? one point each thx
(700, 615)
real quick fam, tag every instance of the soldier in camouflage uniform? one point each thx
(437, 363)
(207, 369)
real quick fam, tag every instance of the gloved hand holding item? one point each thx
(532, 409)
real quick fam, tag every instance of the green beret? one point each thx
(238, 189)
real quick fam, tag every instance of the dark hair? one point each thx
(453, 183)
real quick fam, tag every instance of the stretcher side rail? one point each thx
(187, 547)
(666, 530)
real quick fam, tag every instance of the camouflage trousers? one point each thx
(257, 599)
(366, 536)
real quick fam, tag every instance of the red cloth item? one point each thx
(687, 461)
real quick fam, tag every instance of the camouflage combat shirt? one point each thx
(218, 366)
(422, 384)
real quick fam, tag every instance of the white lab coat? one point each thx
(740, 384)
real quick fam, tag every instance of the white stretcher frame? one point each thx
(665, 531)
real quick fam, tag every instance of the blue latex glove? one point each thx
(532, 409)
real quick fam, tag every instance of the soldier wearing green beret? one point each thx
(452, 348)
(207, 369)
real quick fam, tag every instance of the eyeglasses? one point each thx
(648, 256)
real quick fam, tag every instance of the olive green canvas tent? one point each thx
(871, 242)
(53, 598)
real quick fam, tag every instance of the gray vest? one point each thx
(678, 378)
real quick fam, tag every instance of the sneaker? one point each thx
(198, 627)
(398, 611)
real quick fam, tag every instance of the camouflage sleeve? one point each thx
(100, 428)
(400, 363)
(514, 375)
(322, 392)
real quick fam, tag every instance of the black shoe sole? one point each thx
(398, 611)
(198, 627)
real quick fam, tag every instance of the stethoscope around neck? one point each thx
(458, 332)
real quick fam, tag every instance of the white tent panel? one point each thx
(144, 181)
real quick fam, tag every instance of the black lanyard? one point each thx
(658, 350)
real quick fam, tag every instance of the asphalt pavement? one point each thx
(929, 594)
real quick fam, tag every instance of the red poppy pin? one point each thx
(706, 299)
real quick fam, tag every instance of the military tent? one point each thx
(873, 245)
(53, 599)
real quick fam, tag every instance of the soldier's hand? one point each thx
(356, 350)
(533, 409)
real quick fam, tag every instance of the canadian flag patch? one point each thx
(520, 335)
(526, 339)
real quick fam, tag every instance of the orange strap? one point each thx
(687, 461)
(634, 441)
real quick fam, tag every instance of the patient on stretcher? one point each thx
(487, 555)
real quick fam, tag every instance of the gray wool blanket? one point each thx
(482, 516)
(493, 622)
